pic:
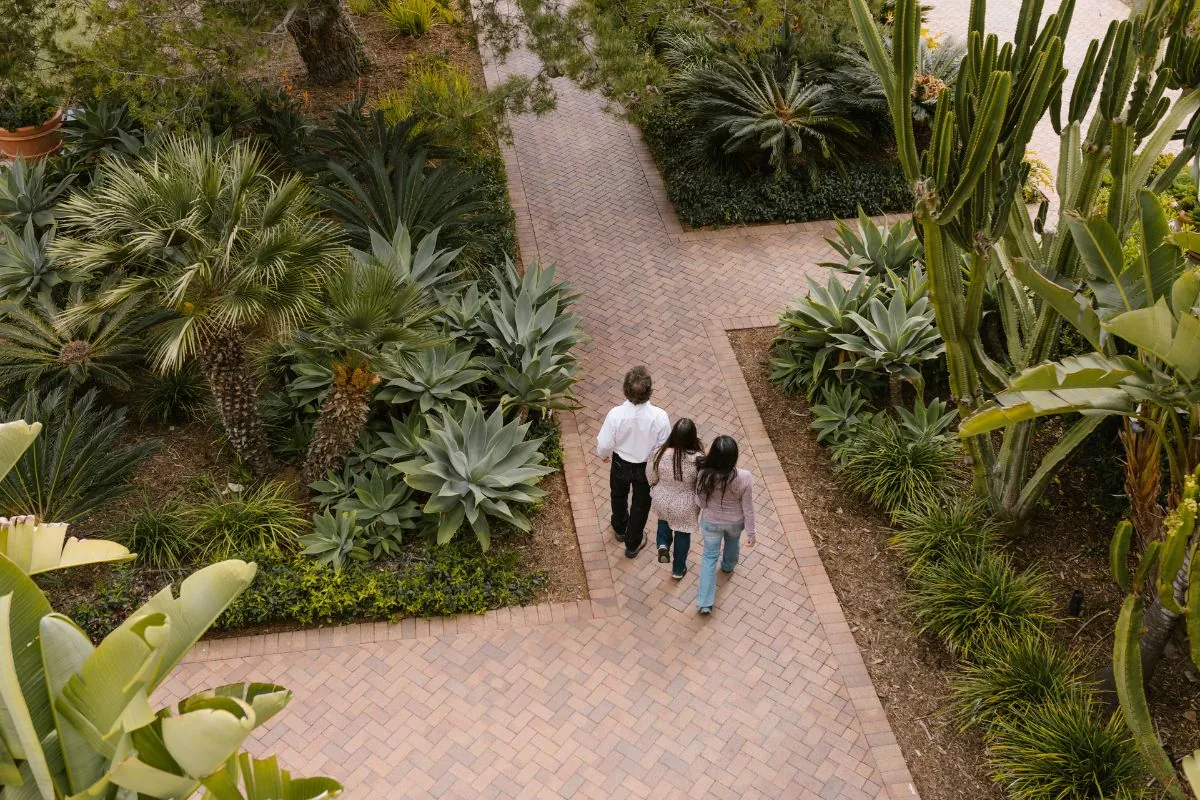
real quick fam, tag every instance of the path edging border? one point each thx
(893, 769)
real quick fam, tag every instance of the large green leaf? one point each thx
(1157, 331)
(1068, 302)
(203, 597)
(1159, 258)
(15, 438)
(41, 547)
(26, 719)
(263, 779)
(65, 649)
(1088, 384)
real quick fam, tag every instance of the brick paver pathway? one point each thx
(628, 694)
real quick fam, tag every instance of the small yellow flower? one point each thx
(187, 308)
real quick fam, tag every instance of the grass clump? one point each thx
(1065, 751)
(971, 600)
(928, 530)
(223, 521)
(1011, 674)
(891, 467)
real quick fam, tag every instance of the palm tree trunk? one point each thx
(342, 419)
(327, 41)
(1143, 480)
(223, 359)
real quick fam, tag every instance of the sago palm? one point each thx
(42, 347)
(751, 110)
(370, 315)
(201, 228)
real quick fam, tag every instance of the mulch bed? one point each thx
(912, 673)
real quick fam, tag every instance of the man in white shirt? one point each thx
(631, 433)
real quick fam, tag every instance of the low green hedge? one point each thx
(709, 194)
(457, 578)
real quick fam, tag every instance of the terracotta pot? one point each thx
(33, 141)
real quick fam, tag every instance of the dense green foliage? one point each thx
(291, 590)
(705, 193)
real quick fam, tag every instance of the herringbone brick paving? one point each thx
(628, 694)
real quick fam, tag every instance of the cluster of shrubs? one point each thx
(856, 346)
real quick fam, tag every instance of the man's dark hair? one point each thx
(638, 385)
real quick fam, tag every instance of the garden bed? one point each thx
(912, 673)
(538, 566)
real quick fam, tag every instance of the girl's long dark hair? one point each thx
(683, 440)
(718, 468)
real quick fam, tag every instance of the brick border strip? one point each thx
(889, 759)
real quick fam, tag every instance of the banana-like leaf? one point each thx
(203, 597)
(1158, 257)
(1175, 341)
(1115, 288)
(25, 742)
(1118, 554)
(65, 649)
(1088, 384)
(26, 719)
(1191, 771)
(263, 779)
(15, 438)
(37, 548)
(1071, 304)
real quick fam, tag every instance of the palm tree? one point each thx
(200, 228)
(376, 312)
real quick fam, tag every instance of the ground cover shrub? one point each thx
(1068, 750)
(972, 599)
(706, 194)
(457, 578)
(927, 530)
(890, 467)
(224, 520)
(76, 464)
(1011, 674)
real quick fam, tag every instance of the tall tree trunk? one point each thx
(223, 359)
(327, 41)
(343, 417)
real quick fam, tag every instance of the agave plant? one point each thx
(435, 379)
(27, 266)
(81, 722)
(383, 447)
(203, 229)
(839, 412)
(34, 546)
(335, 539)
(895, 339)
(100, 129)
(874, 250)
(382, 506)
(475, 467)
(540, 382)
(460, 312)
(750, 109)
(41, 347)
(806, 341)
(27, 195)
(529, 317)
(430, 269)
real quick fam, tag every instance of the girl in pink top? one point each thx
(725, 496)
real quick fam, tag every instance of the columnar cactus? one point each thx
(966, 189)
